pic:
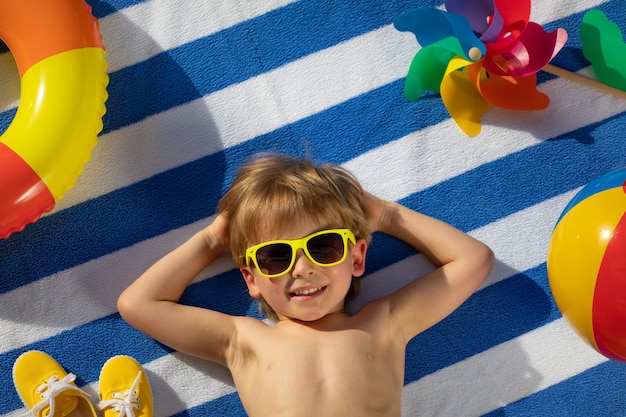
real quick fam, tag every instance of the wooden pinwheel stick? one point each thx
(572, 76)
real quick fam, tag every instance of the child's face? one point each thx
(307, 291)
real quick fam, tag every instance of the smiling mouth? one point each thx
(310, 291)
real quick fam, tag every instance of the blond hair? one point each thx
(274, 192)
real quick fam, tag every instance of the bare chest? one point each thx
(342, 372)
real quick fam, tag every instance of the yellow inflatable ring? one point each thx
(61, 61)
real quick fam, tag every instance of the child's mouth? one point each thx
(308, 292)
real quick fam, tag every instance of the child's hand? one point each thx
(377, 211)
(217, 234)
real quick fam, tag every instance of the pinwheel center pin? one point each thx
(475, 54)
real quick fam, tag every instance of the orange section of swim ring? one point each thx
(36, 29)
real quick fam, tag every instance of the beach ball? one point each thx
(587, 264)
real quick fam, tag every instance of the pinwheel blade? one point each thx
(428, 68)
(530, 53)
(460, 96)
(604, 47)
(431, 25)
(512, 93)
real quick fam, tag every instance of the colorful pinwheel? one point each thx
(478, 54)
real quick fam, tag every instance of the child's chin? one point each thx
(305, 317)
(313, 316)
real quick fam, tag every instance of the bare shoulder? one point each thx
(376, 317)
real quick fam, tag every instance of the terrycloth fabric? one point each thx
(196, 86)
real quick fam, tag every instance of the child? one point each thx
(299, 235)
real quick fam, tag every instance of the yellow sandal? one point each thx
(46, 389)
(124, 389)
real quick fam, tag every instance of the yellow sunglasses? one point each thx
(277, 257)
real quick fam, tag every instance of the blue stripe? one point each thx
(117, 220)
(102, 9)
(599, 391)
(5, 119)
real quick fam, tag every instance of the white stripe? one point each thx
(501, 375)
(139, 32)
(544, 12)
(311, 84)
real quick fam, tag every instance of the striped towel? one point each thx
(197, 86)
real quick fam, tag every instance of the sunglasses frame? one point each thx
(295, 244)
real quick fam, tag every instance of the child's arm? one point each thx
(462, 264)
(150, 304)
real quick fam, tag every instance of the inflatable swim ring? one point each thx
(61, 61)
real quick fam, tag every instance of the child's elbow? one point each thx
(126, 306)
(486, 261)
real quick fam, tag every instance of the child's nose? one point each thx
(303, 265)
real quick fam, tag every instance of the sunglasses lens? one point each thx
(274, 258)
(327, 248)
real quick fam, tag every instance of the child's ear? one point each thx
(359, 251)
(250, 280)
